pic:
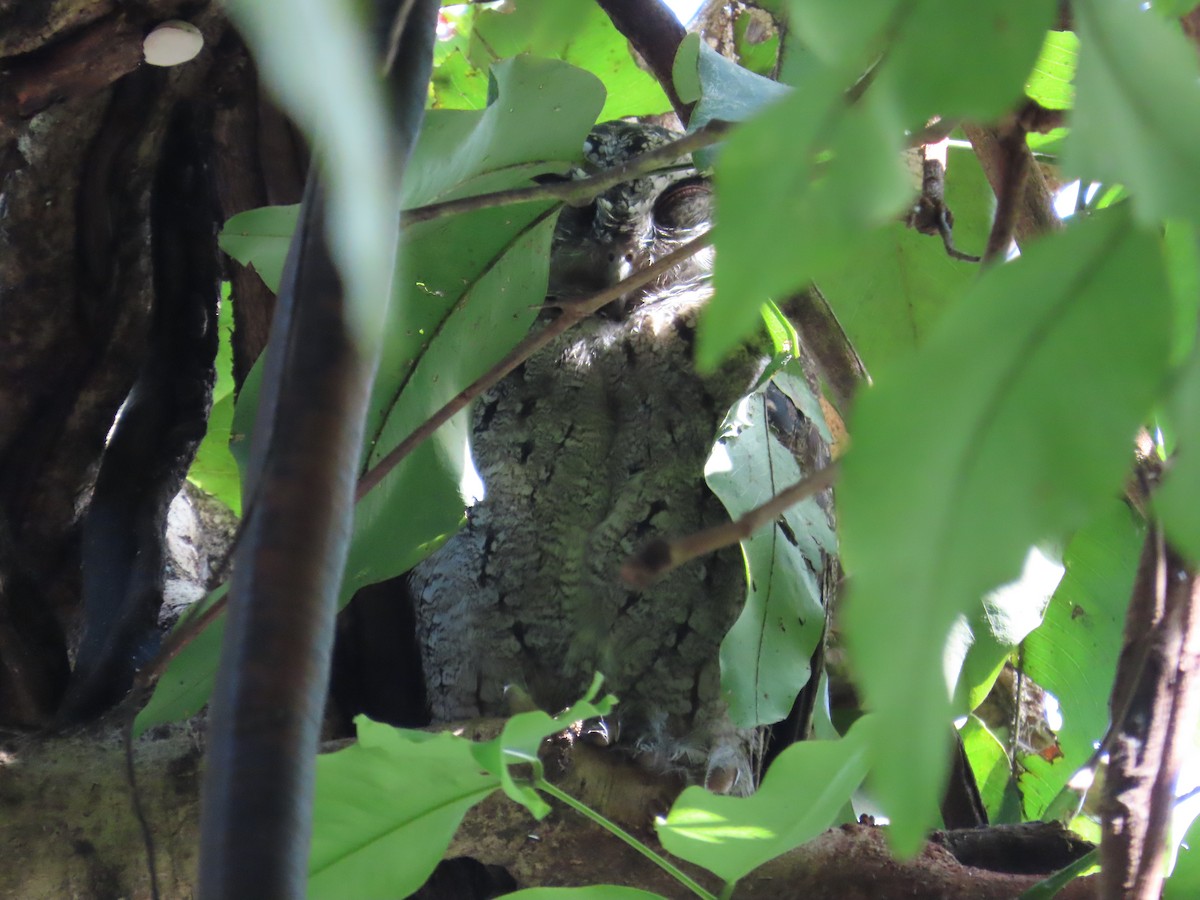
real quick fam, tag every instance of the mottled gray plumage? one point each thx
(592, 448)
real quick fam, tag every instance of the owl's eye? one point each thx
(684, 205)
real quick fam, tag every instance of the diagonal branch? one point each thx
(655, 33)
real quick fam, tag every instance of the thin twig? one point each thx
(660, 556)
(572, 313)
(580, 190)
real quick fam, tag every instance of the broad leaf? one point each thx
(260, 238)
(469, 290)
(1052, 80)
(801, 795)
(379, 827)
(990, 765)
(985, 51)
(808, 176)
(1073, 655)
(1009, 427)
(1137, 113)
(1001, 621)
(765, 656)
(575, 31)
(521, 737)
(897, 282)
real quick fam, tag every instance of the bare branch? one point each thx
(659, 557)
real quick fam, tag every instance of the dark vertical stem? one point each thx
(268, 701)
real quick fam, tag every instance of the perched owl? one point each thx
(592, 448)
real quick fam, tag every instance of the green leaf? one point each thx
(724, 89)
(1181, 241)
(730, 836)
(456, 83)
(1175, 501)
(386, 808)
(214, 470)
(1001, 621)
(963, 59)
(935, 58)
(260, 238)
(990, 765)
(809, 175)
(469, 289)
(756, 40)
(765, 656)
(897, 282)
(1051, 83)
(322, 67)
(521, 737)
(1073, 655)
(1009, 427)
(1184, 883)
(1137, 114)
(577, 32)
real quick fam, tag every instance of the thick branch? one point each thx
(1033, 206)
(655, 33)
(1155, 700)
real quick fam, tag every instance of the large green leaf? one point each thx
(984, 50)
(1073, 655)
(897, 282)
(765, 656)
(1137, 113)
(802, 794)
(575, 31)
(1010, 426)
(989, 764)
(804, 179)
(319, 61)
(386, 808)
(1052, 79)
(1001, 621)
(469, 289)
(260, 238)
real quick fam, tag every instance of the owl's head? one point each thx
(633, 224)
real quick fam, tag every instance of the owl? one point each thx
(592, 448)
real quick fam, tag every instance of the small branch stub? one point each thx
(172, 43)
